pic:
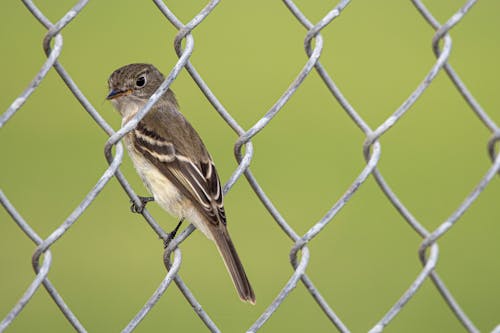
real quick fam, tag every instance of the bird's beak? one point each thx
(115, 93)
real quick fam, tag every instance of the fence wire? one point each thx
(243, 150)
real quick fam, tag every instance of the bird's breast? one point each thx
(164, 191)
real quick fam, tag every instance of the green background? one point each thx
(110, 262)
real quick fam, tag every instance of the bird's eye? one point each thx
(141, 81)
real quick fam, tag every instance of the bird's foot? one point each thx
(138, 209)
(172, 234)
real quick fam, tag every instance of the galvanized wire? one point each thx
(300, 254)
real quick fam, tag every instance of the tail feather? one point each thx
(233, 264)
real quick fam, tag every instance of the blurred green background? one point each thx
(110, 262)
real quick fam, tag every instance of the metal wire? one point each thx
(299, 254)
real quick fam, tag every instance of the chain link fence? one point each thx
(243, 149)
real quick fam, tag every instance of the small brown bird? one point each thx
(173, 162)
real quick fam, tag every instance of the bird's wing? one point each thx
(196, 179)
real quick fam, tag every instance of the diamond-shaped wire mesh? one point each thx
(246, 153)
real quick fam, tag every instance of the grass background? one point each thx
(109, 263)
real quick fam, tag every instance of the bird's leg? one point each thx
(172, 234)
(138, 209)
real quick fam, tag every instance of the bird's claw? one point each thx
(138, 209)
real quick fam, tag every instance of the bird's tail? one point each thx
(233, 264)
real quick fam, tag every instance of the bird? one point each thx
(173, 163)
